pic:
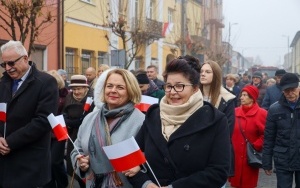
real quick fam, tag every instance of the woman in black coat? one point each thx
(185, 140)
(73, 112)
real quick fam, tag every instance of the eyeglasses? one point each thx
(176, 87)
(10, 63)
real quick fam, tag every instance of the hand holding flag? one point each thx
(125, 155)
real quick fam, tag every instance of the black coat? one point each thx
(28, 130)
(227, 107)
(196, 155)
(282, 137)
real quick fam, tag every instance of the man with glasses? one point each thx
(282, 135)
(30, 96)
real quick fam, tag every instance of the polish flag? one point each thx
(125, 155)
(3, 112)
(61, 121)
(146, 102)
(58, 130)
(167, 28)
(88, 103)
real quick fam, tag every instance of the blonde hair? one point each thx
(132, 86)
(270, 81)
(60, 81)
(103, 66)
(231, 77)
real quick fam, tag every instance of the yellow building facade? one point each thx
(166, 32)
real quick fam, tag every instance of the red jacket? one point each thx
(253, 125)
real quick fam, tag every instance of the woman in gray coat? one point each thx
(115, 120)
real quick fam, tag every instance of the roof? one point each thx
(295, 39)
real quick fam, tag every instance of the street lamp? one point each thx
(288, 49)
(230, 24)
(229, 51)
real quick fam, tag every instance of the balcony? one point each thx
(200, 40)
(148, 26)
(217, 22)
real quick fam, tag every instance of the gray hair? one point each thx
(16, 45)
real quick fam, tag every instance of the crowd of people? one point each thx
(194, 136)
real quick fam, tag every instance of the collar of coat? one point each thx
(204, 118)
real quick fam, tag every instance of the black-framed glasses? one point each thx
(176, 87)
(10, 63)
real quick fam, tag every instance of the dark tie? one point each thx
(15, 85)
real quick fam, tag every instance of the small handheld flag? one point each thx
(61, 121)
(3, 112)
(58, 130)
(146, 102)
(125, 155)
(88, 103)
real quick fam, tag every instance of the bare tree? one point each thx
(133, 40)
(24, 19)
(135, 37)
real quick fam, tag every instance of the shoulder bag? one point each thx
(254, 157)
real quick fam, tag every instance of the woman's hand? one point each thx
(83, 162)
(4, 149)
(131, 172)
(152, 185)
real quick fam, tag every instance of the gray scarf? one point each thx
(100, 136)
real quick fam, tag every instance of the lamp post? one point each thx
(229, 51)
(288, 49)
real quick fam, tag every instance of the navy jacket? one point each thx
(282, 137)
(272, 95)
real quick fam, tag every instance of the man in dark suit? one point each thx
(30, 96)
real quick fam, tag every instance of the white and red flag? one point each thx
(125, 155)
(59, 131)
(167, 28)
(88, 103)
(146, 102)
(61, 121)
(3, 112)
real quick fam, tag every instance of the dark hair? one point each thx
(187, 65)
(152, 66)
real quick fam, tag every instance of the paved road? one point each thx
(264, 181)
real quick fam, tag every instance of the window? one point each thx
(170, 15)
(70, 62)
(103, 58)
(197, 27)
(86, 59)
(151, 10)
(122, 7)
(199, 1)
(137, 63)
(136, 8)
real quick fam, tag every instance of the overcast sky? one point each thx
(261, 27)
